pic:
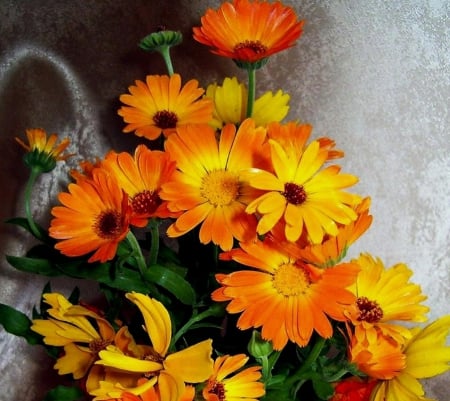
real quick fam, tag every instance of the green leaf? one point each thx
(17, 323)
(23, 222)
(33, 265)
(172, 282)
(323, 389)
(64, 393)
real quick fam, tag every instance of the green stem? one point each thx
(251, 90)
(35, 172)
(165, 53)
(154, 249)
(137, 252)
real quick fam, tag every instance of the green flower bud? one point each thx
(257, 347)
(160, 40)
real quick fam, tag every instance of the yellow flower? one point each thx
(230, 104)
(385, 296)
(242, 386)
(300, 194)
(161, 104)
(71, 326)
(43, 152)
(169, 371)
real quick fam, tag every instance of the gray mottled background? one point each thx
(373, 75)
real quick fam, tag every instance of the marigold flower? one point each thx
(288, 298)
(94, 217)
(82, 333)
(141, 177)
(299, 193)
(249, 31)
(425, 355)
(43, 151)
(230, 104)
(384, 296)
(169, 371)
(208, 188)
(353, 389)
(161, 105)
(152, 394)
(242, 386)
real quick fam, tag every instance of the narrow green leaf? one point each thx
(23, 222)
(33, 265)
(17, 323)
(64, 393)
(323, 389)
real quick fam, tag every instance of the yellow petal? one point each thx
(114, 358)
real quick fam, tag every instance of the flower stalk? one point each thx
(35, 172)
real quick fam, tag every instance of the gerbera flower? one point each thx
(285, 296)
(384, 296)
(141, 178)
(208, 188)
(249, 31)
(169, 371)
(82, 333)
(301, 194)
(242, 386)
(425, 355)
(43, 151)
(161, 104)
(94, 217)
(230, 104)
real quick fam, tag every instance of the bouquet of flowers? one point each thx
(219, 248)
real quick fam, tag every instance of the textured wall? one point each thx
(374, 76)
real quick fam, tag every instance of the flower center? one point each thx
(254, 46)
(290, 280)
(108, 224)
(165, 119)
(95, 346)
(294, 193)
(145, 202)
(220, 187)
(369, 311)
(218, 389)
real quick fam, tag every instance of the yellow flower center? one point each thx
(165, 119)
(145, 202)
(294, 194)
(254, 46)
(369, 311)
(220, 187)
(108, 224)
(291, 280)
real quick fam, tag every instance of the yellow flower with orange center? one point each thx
(249, 31)
(243, 385)
(300, 193)
(208, 187)
(385, 296)
(141, 177)
(286, 297)
(94, 217)
(161, 105)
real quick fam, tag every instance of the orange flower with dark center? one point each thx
(94, 217)
(249, 31)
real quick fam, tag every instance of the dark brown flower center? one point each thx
(145, 202)
(95, 346)
(108, 224)
(294, 193)
(218, 389)
(255, 46)
(369, 311)
(165, 119)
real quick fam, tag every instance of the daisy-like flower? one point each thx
(43, 151)
(94, 217)
(285, 296)
(242, 386)
(141, 177)
(161, 105)
(208, 188)
(152, 394)
(249, 31)
(424, 355)
(384, 296)
(82, 333)
(300, 193)
(169, 371)
(230, 104)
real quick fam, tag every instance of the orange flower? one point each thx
(208, 188)
(249, 31)
(141, 178)
(94, 217)
(285, 296)
(353, 389)
(161, 105)
(242, 386)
